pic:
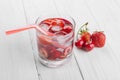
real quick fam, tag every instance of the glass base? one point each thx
(53, 64)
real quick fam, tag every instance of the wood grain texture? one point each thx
(16, 58)
(12, 13)
(18, 52)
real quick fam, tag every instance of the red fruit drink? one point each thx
(55, 49)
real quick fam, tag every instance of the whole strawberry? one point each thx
(84, 33)
(86, 36)
(98, 38)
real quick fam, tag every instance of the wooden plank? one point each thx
(16, 56)
(110, 22)
(11, 14)
(99, 64)
(68, 72)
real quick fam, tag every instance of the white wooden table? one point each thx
(17, 52)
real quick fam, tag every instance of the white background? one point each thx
(17, 60)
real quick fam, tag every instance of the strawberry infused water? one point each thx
(55, 49)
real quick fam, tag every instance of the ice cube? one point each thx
(56, 28)
(44, 26)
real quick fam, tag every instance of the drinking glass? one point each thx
(55, 47)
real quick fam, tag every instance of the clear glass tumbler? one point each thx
(55, 47)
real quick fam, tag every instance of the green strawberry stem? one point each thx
(83, 26)
(82, 29)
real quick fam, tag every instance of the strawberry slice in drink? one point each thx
(47, 21)
(66, 22)
(67, 29)
(54, 54)
(66, 52)
(53, 22)
(60, 23)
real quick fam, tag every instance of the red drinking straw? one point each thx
(29, 27)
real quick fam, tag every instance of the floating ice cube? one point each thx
(56, 28)
(45, 27)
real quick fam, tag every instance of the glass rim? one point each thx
(71, 20)
(56, 16)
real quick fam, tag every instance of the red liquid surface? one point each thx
(59, 46)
